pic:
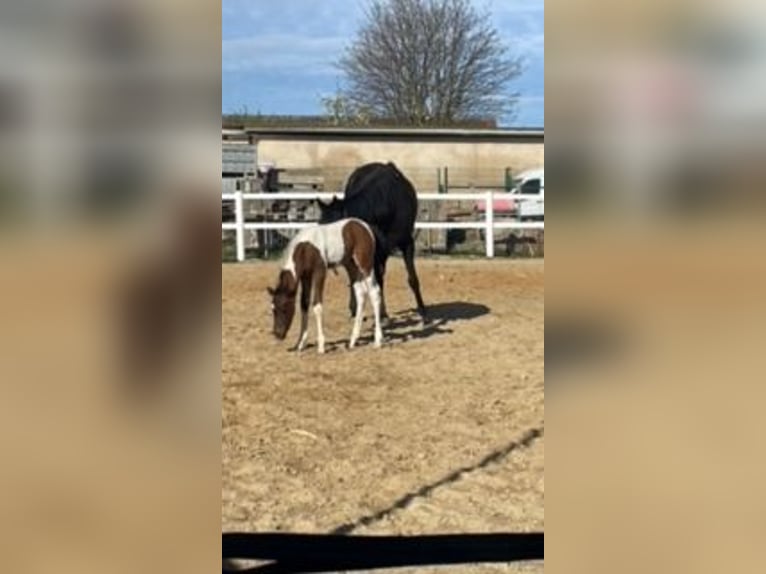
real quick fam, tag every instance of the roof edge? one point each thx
(390, 133)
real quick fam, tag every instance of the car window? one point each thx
(530, 187)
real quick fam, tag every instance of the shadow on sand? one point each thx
(406, 325)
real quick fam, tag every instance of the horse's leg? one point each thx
(408, 251)
(318, 283)
(305, 295)
(375, 293)
(359, 289)
(380, 273)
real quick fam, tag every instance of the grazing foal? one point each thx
(348, 242)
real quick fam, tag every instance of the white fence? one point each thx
(488, 222)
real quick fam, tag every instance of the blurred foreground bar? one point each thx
(109, 271)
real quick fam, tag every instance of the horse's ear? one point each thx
(320, 203)
(271, 291)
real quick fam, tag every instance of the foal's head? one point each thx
(330, 212)
(283, 304)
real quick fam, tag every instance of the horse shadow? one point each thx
(407, 325)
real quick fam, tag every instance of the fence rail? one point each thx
(486, 220)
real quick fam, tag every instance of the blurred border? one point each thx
(110, 278)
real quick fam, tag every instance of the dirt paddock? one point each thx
(441, 430)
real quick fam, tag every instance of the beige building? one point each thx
(473, 157)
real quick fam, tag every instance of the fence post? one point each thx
(239, 219)
(489, 233)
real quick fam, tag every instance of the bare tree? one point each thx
(339, 110)
(434, 62)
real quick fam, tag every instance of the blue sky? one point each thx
(277, 55)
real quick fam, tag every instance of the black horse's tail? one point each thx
(382, 251)
(411, 188)
(382, 248)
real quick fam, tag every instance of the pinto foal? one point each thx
(348, 242)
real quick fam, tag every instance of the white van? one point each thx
(528, 192)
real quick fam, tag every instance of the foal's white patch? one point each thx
(328, 239)
(375, 294)
(320, 329)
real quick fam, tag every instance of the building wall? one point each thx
(477, 163)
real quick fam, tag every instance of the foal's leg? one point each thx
(353, 300)
(320, 330)
(374, 291)
(305, 295)
(359, 289)
(318, 283)
(408, 251)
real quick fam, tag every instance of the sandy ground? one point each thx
(442, 430)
